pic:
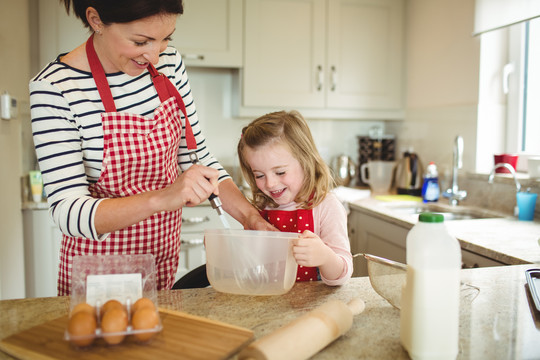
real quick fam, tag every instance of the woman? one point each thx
(110, 133)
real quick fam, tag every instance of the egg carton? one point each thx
(97, 279)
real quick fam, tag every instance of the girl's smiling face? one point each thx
(277, 172)
(129, 47)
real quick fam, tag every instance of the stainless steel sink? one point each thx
(449, 212)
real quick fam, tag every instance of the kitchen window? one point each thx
(509, 98)
(521, 84)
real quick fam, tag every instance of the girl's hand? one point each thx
(310, 250)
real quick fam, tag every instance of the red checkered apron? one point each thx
(139, 154)
(294, 221)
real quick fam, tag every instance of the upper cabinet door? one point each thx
(326, 58)
(365, 52)
(209, 33)
(285, 48)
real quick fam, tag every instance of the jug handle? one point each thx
(363, 168)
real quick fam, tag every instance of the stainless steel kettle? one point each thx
(344, 170)
(408, 174)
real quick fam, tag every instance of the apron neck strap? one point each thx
(163, 85)
(99, 76)
(166, 90)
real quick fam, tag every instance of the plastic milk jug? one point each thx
(430, 297)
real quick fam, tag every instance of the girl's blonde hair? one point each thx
(290, 129)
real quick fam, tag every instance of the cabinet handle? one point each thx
(333, 76)
(195, 220)
(508, 69)
(193, 56)
(192, 241)
(320, 78)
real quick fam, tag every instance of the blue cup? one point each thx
(526, 203)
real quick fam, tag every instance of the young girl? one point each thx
(291, 187)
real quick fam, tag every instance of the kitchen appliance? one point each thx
(408, 174)
(344, 170)
(378, 174)
(374, 147)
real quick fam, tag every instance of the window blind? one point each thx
(495, 14)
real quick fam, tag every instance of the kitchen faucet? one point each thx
(509, 168)
(454, 194)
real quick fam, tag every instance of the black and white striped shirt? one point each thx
(68, 135)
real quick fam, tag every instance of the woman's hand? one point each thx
(257, 222)
(236, 205)
(191, 188)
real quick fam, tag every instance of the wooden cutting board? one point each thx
(183, 336)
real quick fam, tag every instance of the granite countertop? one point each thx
(504, 238)
(496, 321)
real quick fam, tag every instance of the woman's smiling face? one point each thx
(277, 172)
(129, 47)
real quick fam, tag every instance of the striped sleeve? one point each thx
(58, 145)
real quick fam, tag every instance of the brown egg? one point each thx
(145, 318)
(82, 328)
(111, 304)
(141, 303)
(114, 321)
(83, 307)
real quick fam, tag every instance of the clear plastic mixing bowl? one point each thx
(250, 262)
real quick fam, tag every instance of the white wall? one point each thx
(15, 64)
(442, 67)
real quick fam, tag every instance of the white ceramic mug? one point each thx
(534, 167)
(380, 175)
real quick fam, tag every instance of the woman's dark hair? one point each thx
(123, 11)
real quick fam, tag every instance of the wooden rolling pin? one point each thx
(307, 335)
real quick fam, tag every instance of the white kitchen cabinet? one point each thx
(372, 235)
(42, 241)
(209, 33)
(338, 58)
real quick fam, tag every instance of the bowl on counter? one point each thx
(249, 262)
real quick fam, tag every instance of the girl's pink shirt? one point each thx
(330, 224)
